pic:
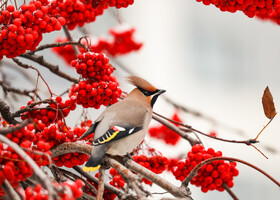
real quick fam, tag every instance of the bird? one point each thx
(121, 127)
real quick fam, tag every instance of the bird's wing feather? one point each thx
(91, 128)
(116, 133)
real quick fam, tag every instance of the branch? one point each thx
(229, 191)
(6, 113)
(189, 128)
(59, 44)
(37, 171)
(9, 191)
(176, 129)
(72, 147)
(11, 129)
(53, 68)
(6, 89)
(69, 37)
(100, 184)
(118, 192)
(131, 179)
(172, 189)
(194, 171)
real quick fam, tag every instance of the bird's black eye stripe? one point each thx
(147, 93)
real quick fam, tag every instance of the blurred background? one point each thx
(212, 62)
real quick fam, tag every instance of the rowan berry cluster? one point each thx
(211, 176)
(75, 12)
(164, 133)
(100, 87)
(123, 42)
(51, 111)
(27, 138)
(73, 191)
(58, 134)
(250, 8)
(22, 29)
(112, 3)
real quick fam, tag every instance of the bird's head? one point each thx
(146, 88)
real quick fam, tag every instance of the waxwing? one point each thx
(123, 125)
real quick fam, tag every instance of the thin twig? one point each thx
(190, 128)
(230, 191)
(59, 44)
(53, 68)
(176, 129)
(69, 37)
(21, 64)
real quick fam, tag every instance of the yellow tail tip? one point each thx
(91, 169)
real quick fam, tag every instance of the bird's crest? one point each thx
(141, 83)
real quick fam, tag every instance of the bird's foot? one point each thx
(127, 157)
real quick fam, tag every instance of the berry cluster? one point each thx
(117, 181)
(25, 137)
(112, 3)
(22, 29)
(100, 87)
(12, 167)
(73, 191)
(250, 8)
(122, 43)
(57, 134)
(55, 110)
(93, 65)
(75, 12)
(164, 133)
(211, 176)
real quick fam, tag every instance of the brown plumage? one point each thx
(141, 83)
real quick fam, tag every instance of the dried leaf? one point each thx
(268, 105)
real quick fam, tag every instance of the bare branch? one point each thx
(6, 113)
(100, 184)
(9, 191)
(229, 191)
(53, 68)
(72, 147)
(11, 129)
(176, 129)
(118, 192)
(175, 191)
(59, 44)
(131, 179)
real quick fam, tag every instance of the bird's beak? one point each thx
(161, 92)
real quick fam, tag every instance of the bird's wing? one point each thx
(91, 128)
(116, 133)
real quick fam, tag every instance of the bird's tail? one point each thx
(95, 159)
